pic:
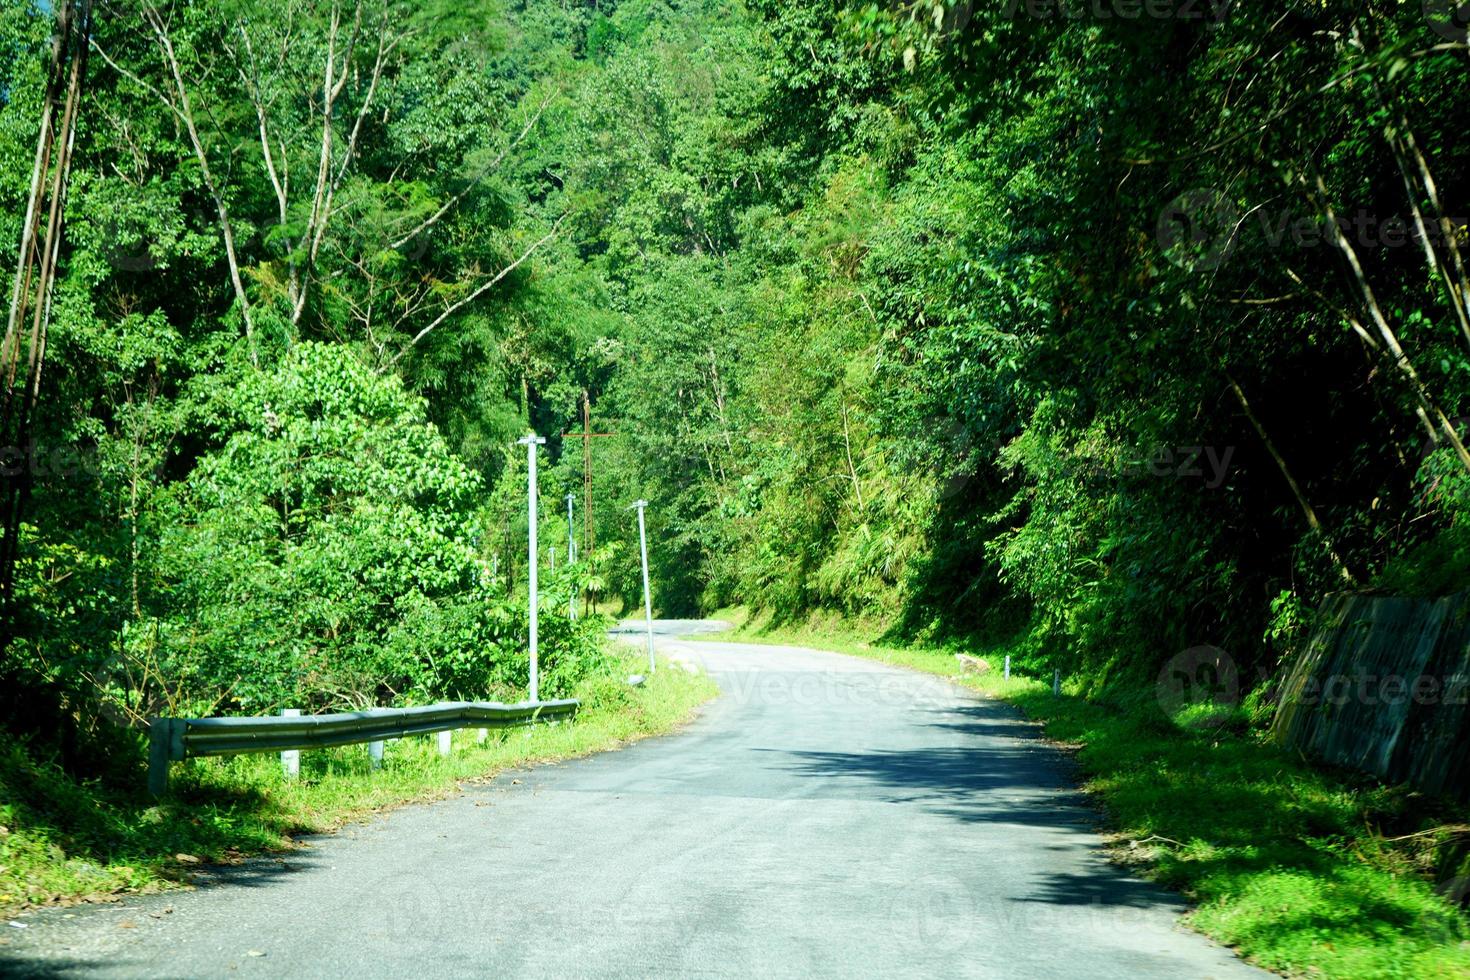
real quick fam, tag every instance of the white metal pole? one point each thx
(531, 441)
(571, 538)
(571, 559)
(647, 596)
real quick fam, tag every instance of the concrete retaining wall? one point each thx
(1383, 685)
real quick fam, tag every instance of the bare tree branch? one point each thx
(1296, 490)
(485, 171)
(1430, 411)
(478, 292)
(185, 112)
(252, 86)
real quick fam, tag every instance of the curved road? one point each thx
(827, 816)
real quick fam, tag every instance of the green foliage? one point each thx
(949, 368)
(330, 521)
(891, 311)
(322, 556)
(236, 508)
(1437, 567)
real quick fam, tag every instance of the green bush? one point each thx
(321, 556)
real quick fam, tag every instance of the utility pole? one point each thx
(588, 529)
(571, 556)
(647, 598)
(531, 440)
(589, 522)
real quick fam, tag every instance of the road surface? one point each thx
(827, 816)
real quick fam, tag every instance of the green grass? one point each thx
(1290, 864)
(62, 841)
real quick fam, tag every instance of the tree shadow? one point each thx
(996, 769)
(12, 965)
(1107, 886)
(993, 768)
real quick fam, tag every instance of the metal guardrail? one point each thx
(173, 739)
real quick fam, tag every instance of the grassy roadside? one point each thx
(64, 842)
(1294, 866)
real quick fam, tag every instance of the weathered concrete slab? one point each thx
(1383, 685)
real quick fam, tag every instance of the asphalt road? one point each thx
(826, 817)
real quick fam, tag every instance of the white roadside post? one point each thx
(531, 441)
(446, 743)
(647, 596)
(291, 758)
(1008, 666)
(571, 559)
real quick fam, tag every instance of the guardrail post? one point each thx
(481, 734)
(1008, 666)
(291, 758)
(446, 741)
(375, 754)
(160, 732)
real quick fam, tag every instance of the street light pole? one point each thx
(531, 441)
(571, 557)
(647, 596)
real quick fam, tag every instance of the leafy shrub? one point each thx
(321, 557)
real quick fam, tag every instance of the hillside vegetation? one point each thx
(1096, 332)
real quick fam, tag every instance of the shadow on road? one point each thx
(256, 872)
(52, 969)
(1000, 784)
(995, 768)
(991, 767)
(1106, 887)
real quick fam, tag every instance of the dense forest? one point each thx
(1100, 331)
